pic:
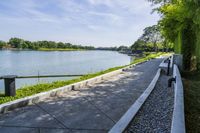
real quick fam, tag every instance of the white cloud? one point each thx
(106, 21)
(108, 3)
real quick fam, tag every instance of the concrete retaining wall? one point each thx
(178, 120)
(41, 96)
(178, 60)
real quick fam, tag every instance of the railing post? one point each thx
(9, 81)
(168, 67)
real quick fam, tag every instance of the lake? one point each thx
(26, 63)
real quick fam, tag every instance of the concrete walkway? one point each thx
(94, 109)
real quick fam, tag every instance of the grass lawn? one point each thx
(31, 90)
(191, 83)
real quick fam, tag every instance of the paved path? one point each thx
(94, 109)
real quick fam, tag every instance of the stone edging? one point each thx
(5, 107)
(178, 119)
(124, 121)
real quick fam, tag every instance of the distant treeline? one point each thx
(107, 48)
(120, 48)
(24, 44)
(18, 43)
(37, 45)
(150, 41)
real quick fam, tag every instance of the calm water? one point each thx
(24, 63)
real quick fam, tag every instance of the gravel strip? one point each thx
(155, 116)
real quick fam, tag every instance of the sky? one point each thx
(87, 22)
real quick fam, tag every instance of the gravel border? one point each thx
(124, 121)
(156, 113)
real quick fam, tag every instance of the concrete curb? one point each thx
(178, 119)
(41, 96)
(122, 124)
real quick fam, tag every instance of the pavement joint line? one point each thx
(77, 128)
(39, 128)
(51, 116)
(32, 127)
(88, 129)
(79, 91)
(100, 110)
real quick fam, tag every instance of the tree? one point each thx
(24, 44)
(16, 42)
(122, 48)
(152, 35)
(61, 45)
(2, 44)
(180, 24)
(139, 45)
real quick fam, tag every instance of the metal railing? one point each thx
(9, 81)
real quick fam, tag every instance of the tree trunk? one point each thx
(188, 43)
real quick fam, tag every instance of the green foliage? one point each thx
(152, 34)
(59, 49)
(31, 90)
(178, 43)
(139, 45)
(160, 1)
(16, 42)
(180, 24)
(107, 48)
(51, 45)
(122, 48)
(152, 40)
(192, 101)
(197, 48)
(2, 44)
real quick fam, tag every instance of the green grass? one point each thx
(30, 90)
(59, 49)
(191, 83)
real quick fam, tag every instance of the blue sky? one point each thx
(87, 22)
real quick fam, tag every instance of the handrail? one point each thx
(178, 119)
(47, 76)
(9, 81)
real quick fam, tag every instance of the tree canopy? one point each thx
(180, 25)
(151, 40)
(24, 44)
(2, 44)
(152, 35)
(18, 43)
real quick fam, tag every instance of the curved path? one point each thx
(94, 109)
